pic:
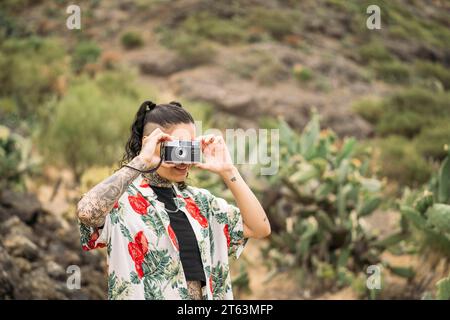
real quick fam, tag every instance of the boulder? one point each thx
(22, 205)
(19, 246)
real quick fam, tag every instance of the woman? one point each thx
(166, 240)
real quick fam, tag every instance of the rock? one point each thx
(159, 62)
(19, 246)
(24, 206)
(9, 275)
(55, 270)
(216, 90)
(15, 226)
(22, 264)
(36, 247)
(40, 286)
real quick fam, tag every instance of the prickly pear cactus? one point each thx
(428, 212)
(317, 202)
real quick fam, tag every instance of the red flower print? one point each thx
(210, 284)
(139, 203)
(116, 205)
(227, 234)
(141, 241)
(194, 211)
(173, 237)
(91, 243)
(138, 249)
(144, 184)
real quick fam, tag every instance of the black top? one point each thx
(189, 251)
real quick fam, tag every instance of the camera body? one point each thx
(180, 151)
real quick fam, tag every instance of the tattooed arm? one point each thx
(98, 202)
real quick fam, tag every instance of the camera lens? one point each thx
(180, 152)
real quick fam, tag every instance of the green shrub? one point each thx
(370, 109)
(208, 26)
(422, 101)
(13, 6)
(91, 123)
(401, 162)
(302, 74)
(393, 72)
(373, 51)
(414, 124)
(433, 71)
(406, 123)
(29, 69)
(84, 53)
(193, 50)
(260, 66)
(131, 40)
(15, 159)
(431, 140)
(277, 23)
(408, 111)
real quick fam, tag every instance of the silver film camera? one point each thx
(179, 151)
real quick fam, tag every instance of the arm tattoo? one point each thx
(233, 179)
(96, 203)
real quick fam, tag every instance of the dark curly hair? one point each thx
(164, 115)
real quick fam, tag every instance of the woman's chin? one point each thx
(180, 173)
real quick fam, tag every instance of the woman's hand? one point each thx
(150, 151)
(216, 157)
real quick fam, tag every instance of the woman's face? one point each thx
(177, 172)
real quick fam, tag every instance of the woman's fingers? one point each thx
(209, 138)
(160, 137)
(165, 137)
(154, 133)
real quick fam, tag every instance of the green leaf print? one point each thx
(118, 289)
(126, 232)
(174, 274)
(152, 291)
(109, 248)
(134, 277)
(205, 233)
(219, 278)
(184, 293)
(221, 217)
(153, 222)
(115, 216)
(202, 201)
(211, 241)
(85, 233)
(156, 264)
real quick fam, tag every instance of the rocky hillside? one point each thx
(263, 58)
(36, 247)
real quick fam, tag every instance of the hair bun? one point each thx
(149, 105)
(176, 103)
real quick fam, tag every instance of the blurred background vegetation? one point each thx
(364, 178)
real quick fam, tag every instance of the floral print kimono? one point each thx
(142, 249)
